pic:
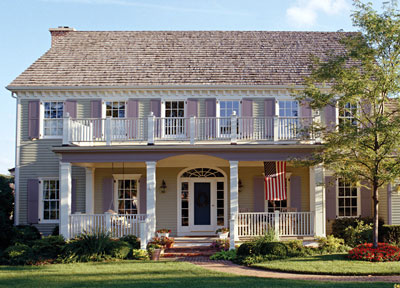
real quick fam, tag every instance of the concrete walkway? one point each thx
(229, 267)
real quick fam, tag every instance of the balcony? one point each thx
(191, 130)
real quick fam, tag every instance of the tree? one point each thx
(6, 210)
(363, 82)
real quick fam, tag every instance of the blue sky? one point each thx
(25, 37)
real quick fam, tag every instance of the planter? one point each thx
(169, 245)
(155, 254)
(223, 235)
(162, 234)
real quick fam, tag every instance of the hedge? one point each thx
(391, 233)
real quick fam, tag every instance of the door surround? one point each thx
(191, 229)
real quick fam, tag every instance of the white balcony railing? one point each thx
(152, 129)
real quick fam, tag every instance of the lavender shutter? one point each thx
(33, 201)
(258, 193)
(73, 196)
(142, 195)
(366, 202)
(246, 124)
(95, 113)
(133, 124)
(191, 107)
(211, 107)
(70, 107)
(330, 185)
(133, 108)
(295, 192)
(269, 112)
(155, 107)
(330, 116)
(108, 195)
(33, 119)
(211, 124)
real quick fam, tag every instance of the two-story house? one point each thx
(136, 131)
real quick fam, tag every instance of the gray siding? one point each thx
(396, 208)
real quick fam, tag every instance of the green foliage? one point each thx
(19, 254)
(56, 231)
(49, 247)
(247, 249)
(391, 234)
(229, 255)
(331, 244)
(137, 254)
(274, 248)
(6, 211)
(296, 249)
(360, 234)
(339, 225)
(132, 240)
(25, 234)
(119, 249)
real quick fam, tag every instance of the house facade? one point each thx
(131, 132)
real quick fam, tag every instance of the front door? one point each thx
(202, 203)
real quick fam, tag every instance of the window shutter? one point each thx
(95, 109)
(295, 192)
(133, 108)
(142, 196)
(33, 201)
(33, 119)
(247, 107)
(155, 107)
(366, 202)
(258, 193)
(330, 184)
(191, 107)
(70, 107)
(330, 116)
(305, 109)
(73, 196)
(108, 197)
(211, 107)
(269, 107)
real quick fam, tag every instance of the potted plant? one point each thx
(154, 251)
(163, 232)
(222, 233)
(169, 242)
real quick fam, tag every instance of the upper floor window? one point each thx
(347, 199)
(347, 114)
(174, 108)
(49, 201)
(226, 108)
(53, 118)
(288, 108)
(115, 109)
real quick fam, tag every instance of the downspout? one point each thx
(17, 159)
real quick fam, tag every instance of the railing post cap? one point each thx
(67, 115)
(151, 113)
(233, 113)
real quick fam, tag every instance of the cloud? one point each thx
(305, 12)
(221, 11)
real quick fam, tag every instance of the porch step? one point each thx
(194, 241)
(193, 251)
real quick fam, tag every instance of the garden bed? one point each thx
(335, 264)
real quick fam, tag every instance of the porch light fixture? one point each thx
(163, 186)
(240, 185)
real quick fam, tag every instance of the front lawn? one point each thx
(142, 274)
(331, 264)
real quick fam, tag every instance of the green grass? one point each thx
(143, 274)
(336, 264)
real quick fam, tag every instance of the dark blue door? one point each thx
(202, 204)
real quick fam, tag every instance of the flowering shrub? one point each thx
(221, 244)
(384, 252)
(163, 230)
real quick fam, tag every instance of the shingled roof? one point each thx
(158, 58)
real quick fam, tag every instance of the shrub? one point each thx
(274, 248)
(361, 233)
(384, 252)
(19, 254)
(221, 244)
(25, 234)
(119, 249)
(340, 224)
(56, 231)
(137, 254)
(6, 211)
(48, 247)
(331, 244)
(229, 255)
(132, 240)
(247, 249)
(391, 234)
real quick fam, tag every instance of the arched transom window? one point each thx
(202, 173)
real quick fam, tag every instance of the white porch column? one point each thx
(65, 198)
(234, 196)
(151, 199)
(89, 190)
(317, 200)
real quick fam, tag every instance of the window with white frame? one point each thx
(116, 109)
(174, 112)
(49, 200)
(288, 108)
(53, 118)
(347, 199)
(127, 194)
(174, 108)
(347, 114)
(288, 121)
(226, 108)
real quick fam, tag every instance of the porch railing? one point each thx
(282, 223)
(193, 130)
(117, 225)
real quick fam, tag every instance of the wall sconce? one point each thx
(163, 186)
(240, 185)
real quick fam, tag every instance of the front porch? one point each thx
(193, 194)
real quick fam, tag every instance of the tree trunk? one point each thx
(376, 218)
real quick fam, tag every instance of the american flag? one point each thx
(275, 180)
